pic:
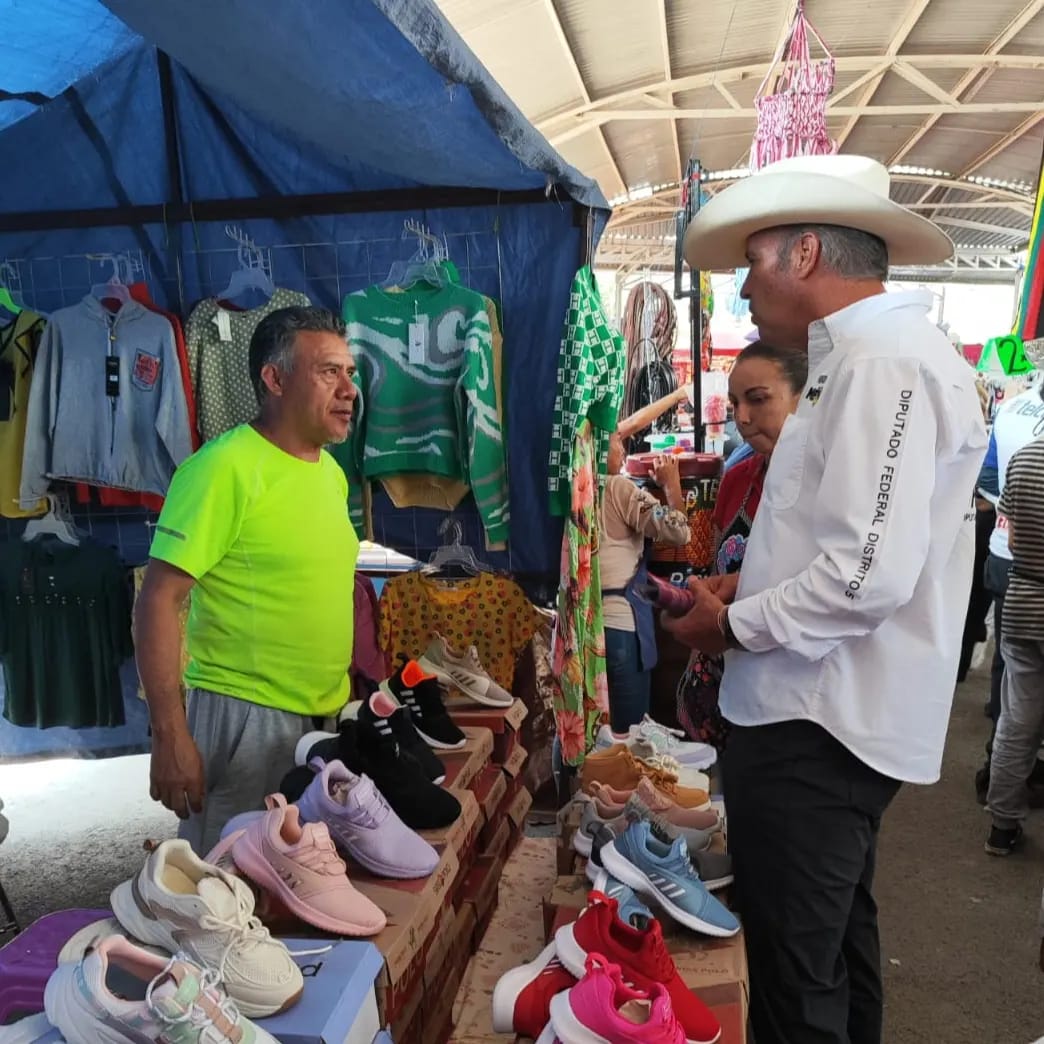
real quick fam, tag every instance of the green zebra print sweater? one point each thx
(432, 409)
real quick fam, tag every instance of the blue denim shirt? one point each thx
(75, 431)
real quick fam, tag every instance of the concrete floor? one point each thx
(959, 928)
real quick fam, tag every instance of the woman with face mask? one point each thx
(765, 386)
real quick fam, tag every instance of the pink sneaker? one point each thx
(603, 1007)
(299, 865)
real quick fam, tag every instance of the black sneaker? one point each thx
(1003, 842)
(421, 694)
(418, 802)
(330, 746)
(388, 717)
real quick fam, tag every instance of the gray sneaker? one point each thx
(463, 671)
(698, 840)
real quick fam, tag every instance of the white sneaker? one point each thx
(463, 671)
(661, 740)
(120, 994)
(181, 904)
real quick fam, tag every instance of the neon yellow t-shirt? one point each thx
(266, 536)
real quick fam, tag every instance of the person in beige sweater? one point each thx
(631, 516)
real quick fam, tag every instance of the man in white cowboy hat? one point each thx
(845, 627)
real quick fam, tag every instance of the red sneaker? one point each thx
(522, 997)
(643, 959)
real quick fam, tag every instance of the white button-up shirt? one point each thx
(855, 580)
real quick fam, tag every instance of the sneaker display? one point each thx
(642, 957)
(665, 872)
(602, 1007)
(363, 825)
(661, 740)
(364, 750)
(179, 903)
(1003, 842)
(421, 694)
(385, 714)
(522, 996)
(619, 769)
(119, 992)
(463, 671)
(300, 866)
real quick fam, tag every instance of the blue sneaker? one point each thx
(631, 910)
(664, 871)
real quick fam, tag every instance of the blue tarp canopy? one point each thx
(124, 123)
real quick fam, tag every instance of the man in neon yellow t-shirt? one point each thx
(256, 527)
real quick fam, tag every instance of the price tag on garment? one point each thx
(224, 325)
(419, 340)
(112, 376)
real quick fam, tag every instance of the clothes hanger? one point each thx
(455, 554)
(428, 264)
(54, 523)
(114, 288)
(251, 274)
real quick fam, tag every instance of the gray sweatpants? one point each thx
(1020, 729)
(246, 751)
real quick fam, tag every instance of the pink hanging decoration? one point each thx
(792, 121)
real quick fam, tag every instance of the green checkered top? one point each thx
(590, 385)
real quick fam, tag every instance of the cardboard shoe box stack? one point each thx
(434, 926)
(504, 798)
(714, 969)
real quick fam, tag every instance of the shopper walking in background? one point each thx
(631, 518)
(1020, 727)
(844, 627)
(765, 386)
(255, 526)
(1018, 422)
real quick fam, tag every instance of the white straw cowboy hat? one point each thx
(851, 191)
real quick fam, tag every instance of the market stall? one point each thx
(175, 151)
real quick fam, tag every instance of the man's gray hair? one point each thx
(848, 252)
(275, 337)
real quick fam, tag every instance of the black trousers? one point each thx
(996, 575)
(803, 816)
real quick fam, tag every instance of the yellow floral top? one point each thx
(487, 611)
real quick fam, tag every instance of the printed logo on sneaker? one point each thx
(464, 680)
(288, 877)
(666, 886)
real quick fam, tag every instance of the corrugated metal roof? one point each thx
(567, 63)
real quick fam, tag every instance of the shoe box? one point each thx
(481, 890)
(428, 1016)
(503, 722)
(568, 824)
(339, 1002)
(490, 789)
(464, 765)
(413, 909)
(463, 769)
(715, 969)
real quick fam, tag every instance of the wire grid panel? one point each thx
(46, 284)
(327, 271)
(324, 271)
